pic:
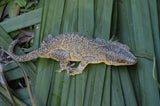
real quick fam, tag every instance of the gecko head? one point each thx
(119, 54)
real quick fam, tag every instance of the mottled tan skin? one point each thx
(79, 47)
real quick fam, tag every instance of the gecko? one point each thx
(78, 47)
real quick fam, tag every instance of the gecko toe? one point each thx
(72, 65)
(58, 70)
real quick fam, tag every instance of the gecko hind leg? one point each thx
(62, 56)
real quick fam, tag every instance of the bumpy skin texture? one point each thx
(75, 46)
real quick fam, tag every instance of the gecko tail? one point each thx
(27, 57)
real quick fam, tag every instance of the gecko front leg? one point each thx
(78, 70)
(64, 65)
(84, 62)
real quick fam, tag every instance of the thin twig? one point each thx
(4, 82)
(18, 101)
(26, 80)
(5, 85)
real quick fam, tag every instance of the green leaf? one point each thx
(13, 9)
(3, 2)
(135, 23)
(22, 21)
(1, 10)
(21, 3)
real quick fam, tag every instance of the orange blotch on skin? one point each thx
(58, 43)
(92, 50)
(85, 51)
(68, 43)
(107, 62)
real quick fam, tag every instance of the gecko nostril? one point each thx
(134, 61)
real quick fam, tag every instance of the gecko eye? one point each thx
(121, 61)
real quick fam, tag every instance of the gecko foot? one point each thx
(73, 71)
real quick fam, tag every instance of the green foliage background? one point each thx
(134, 22)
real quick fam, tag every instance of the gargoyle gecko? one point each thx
(75, 46)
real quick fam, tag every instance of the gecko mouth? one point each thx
(134, 61)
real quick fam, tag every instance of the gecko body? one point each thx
(75, 46)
